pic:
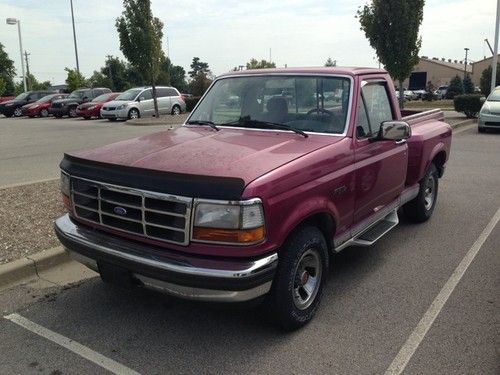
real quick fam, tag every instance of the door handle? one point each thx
(400, 142)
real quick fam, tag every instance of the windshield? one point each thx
(76, 95)
(129, 94)
(45, 99)
(310, 104)
(494, 96)
(102, 98)
(22, 96)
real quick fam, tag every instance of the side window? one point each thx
(172, 92)
(377, 104)
(362, 126)
(146, 95)
(96, 93)
(161, 92)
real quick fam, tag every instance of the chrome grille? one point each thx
(153, 215)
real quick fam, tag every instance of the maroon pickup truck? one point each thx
(273, 171)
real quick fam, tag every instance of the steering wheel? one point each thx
(320, 110)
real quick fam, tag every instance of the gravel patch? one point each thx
(27, 214)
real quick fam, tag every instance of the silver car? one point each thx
(138, 102)
(489, 116)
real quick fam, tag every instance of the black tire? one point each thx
(72, 112)
(18, 112)
(111, 119)
(58, 116)
(133, 114)
(7, 114)
(44, 113)
(284, 298)
(86, 117)
(421, 208)
(176, 110)
(481, 130)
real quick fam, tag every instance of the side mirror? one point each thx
(394, 131)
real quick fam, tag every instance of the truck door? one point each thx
(380, 166)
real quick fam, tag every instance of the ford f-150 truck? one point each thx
(250, 197)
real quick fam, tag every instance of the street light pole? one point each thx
(495, 52)
(74, 37)
(13, 21)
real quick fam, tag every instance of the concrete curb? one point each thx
(29, 267)
(463, 123)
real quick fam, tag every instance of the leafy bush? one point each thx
(191, 103)
(468, 85)
(456, 87)
(468, 104)
(485, 82)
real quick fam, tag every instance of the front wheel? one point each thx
(72, 112)
(18, 112)
(298, 283)
(133, 114)
(44, 113)
(421, 208)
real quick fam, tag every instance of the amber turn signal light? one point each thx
(244, 236)
(67, 202)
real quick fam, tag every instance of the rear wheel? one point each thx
(176, 110)
(44, 113)
(72, 112)
(421, 208)
(18, 112)
(133, 114)
(298, 283)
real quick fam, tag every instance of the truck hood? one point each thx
(202, 151)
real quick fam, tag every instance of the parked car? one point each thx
(186, 96)
(13, 107)
(489, 116)
(93, 108)
(41, 107)
(251, 201)
(67, 106)
(138, 102)
(441, 92)
(419, 94)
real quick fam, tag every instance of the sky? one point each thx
(226, 34)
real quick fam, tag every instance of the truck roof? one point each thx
(345, 70)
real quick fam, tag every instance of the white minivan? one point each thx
(138, 102)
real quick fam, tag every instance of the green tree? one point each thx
(455, 87)
(97, 79)
(115, 72)
(331, 62)
(262, 64)
(74, 79)
(200, 84)
(36, 85)
(172, 75)
(468, 85)
(198, 67)
(392, 27)
(485, 81)
(7, 71)
(140, 40)
(3, 86)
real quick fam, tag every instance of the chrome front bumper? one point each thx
(185, 276)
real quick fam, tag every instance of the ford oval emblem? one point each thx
(120, 211)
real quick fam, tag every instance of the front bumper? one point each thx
(185, 276)
(489, 121)
(120, 114)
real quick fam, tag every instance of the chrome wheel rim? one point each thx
(72, 112)
(44, 113)
(429, 191)
(134, 114)
(177, 111)
(307, 279)
(18, 112)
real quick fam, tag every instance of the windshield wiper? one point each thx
(202, 122)
(257, 123)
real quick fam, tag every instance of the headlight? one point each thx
(65, 190)
(121, 106)
(229, 222)
(485, 110)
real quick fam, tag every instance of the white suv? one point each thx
(138, 102)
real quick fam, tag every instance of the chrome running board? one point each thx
(375, 232)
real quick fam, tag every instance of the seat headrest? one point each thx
(277, 105)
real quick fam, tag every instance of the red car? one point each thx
(93, 108)
(41, 106)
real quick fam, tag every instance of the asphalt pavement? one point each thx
(374, 300)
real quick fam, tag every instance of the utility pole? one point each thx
(495, 52)
(74, 37)
(465, 66)
(28, 77)
(270, 55)
(110, 73)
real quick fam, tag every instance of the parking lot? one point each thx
(375, 301)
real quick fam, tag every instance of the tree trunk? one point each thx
(155, 100)
(401, 95)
